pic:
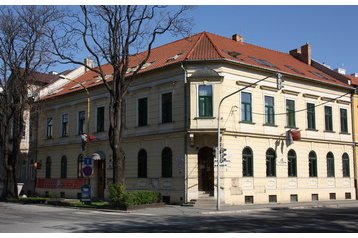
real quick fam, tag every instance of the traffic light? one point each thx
(223, 154)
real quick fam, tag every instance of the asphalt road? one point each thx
(18, 218)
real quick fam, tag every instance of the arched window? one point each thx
(48, 167)
(330, 164)
(312, 164)
(270, 163)
(292, 163)
(247, 162)
(64, 167)
(167, 162)
(345, 165)
(142, 164)
(80, 166)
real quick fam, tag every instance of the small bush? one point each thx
(120, 198)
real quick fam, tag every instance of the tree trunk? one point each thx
(115, 138)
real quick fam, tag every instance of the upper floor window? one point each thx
(167, 163)
(345, 165)
(48, 167)
(269, 110)
(142, 112)
(292, 163)
(100, 119)
(311, 116)
(330, 165)
(247, 163)
(64, 167)
(81, 122)
(64, 125)
(49, 127)
(270, 162)
(344, 120)
(312, 164)
(246, 107)
(205, 101)
(167, 107)
(328, 118)
(290, 113)
(142, 164)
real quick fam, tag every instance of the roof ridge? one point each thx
(266, 48)
(194, 46)
(215, 47)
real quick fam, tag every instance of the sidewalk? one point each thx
(227, 209)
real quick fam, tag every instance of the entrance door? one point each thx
(206, 169)
(101, 168)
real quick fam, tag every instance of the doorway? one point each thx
(206, 169)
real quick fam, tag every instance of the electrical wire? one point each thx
(301, 110)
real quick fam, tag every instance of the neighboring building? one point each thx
(171, 127)
(40, 84)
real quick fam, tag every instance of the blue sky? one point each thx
(331, 30)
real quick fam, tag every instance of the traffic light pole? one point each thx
(218, 151)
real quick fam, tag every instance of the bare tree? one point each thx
(22, 51)
(121, 37)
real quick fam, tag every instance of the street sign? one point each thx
(87, 171)
(87, 161)
(86, 193)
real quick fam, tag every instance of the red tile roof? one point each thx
(208, 46)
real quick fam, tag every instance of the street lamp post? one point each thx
(218, 151)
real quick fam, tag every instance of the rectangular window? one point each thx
(311, 116)
(246, 107)
(269, 110)
(81, 122)
(344, 120)
(167, 107)
(100, 119)
(328, 118)
(290, 113)
(49, 127)
(142, 112)
(205, 101)
(64, 125)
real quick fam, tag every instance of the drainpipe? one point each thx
(185, 136)
(354, 142)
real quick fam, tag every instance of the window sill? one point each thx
(166, 123)
(291, 127)
(329, 131)
(143, 126)
(270, 125)
(311, 129)
(247, 122)
(344, 133)
(65, 136)
(49, 138)
(199, 118)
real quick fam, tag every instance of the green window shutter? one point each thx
(246, 107)
(344, 120)
(311, 116)
(167, 107)
(205, 101)
(269, 110)
(142, 112)
(290, 111)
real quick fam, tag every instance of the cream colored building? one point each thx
(171, 127)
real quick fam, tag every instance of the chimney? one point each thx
(306, 53)
(295, 53)
(238, 38)
(89, 62)
(53, 73)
